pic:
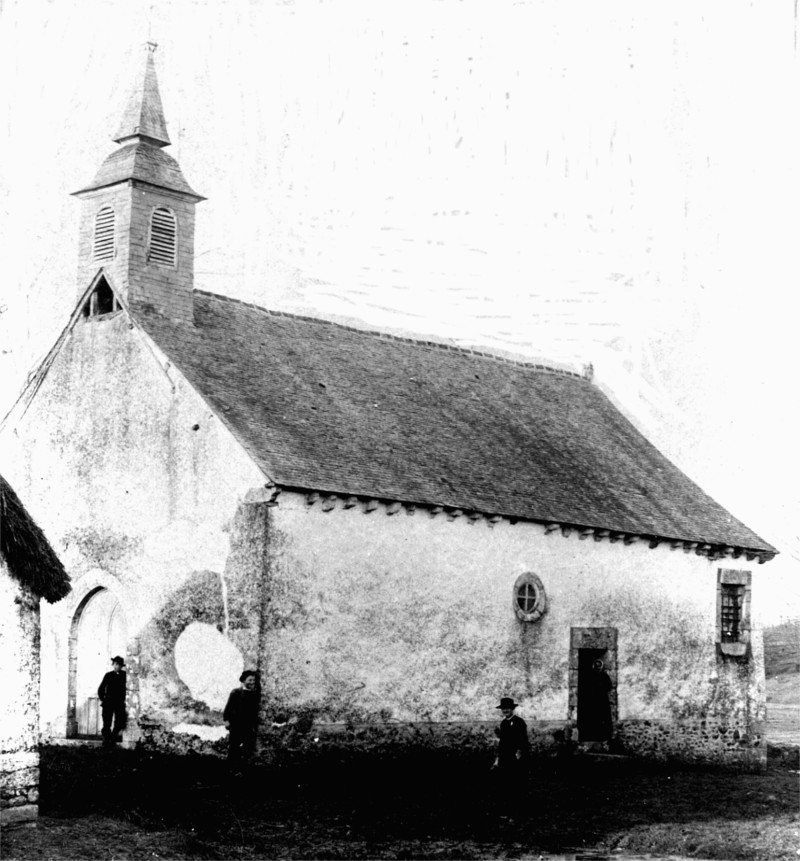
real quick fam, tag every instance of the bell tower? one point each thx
(137, 217)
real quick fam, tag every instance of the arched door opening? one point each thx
(99, 631)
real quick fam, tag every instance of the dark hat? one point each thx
(506, 703)
(118, 659)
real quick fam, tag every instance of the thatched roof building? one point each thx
(27, 553)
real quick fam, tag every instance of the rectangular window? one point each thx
(732, 598)
(733, 612)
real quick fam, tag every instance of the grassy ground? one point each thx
(126, 804)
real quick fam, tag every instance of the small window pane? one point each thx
(526, 597)
(731, 612)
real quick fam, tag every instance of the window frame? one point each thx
(729, 577)
(529, 579)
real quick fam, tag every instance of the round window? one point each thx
(530, 600)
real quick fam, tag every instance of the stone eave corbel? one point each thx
(393, 506)
(329, 501)
(700, 548)
(267, 494)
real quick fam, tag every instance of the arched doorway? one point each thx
(99, 631)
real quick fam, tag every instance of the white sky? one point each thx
(614, 183)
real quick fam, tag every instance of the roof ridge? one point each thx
(407, 339)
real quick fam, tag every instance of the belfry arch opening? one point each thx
(98, 633)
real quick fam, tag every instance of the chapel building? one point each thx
(394, 532)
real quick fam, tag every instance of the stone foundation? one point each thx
(19, 787)
(711, 741)
(702, 742)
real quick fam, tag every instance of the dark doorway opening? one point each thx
(593, 683)
(594, 696)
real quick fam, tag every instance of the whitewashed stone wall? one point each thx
(137, 484)
(19, 701)
(395, 615)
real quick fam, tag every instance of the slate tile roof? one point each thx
(144, 162)
(326, 407)
(144, 114)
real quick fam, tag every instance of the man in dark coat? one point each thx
(512, 754)
(241, 718)
(112, 700)
(598, 702)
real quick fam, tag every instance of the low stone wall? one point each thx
(19, 787)
(709, 741)
(304, 738)
(712, 741)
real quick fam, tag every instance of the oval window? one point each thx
(530, 600)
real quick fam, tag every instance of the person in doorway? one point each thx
(241, 719)
(598, 700)
(112, 700)
(511, 761)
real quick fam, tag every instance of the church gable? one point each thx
(118, 429)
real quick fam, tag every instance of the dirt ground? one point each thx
(129, 804)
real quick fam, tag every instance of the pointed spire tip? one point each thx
(144, 116)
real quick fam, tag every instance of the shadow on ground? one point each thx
(412, 807)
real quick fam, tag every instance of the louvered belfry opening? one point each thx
(162, 237)
(104, 234)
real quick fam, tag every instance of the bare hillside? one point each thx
(782, 648)
(782, 663)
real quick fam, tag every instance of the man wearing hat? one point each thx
(512, 752)
(112, 699)
(241, 719)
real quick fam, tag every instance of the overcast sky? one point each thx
(610, 183)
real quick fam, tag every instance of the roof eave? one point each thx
(191, 195)
(712, 548)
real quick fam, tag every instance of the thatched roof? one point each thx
(27, 553)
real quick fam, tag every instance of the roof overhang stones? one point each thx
(329, 502)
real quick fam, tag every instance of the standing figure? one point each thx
(112, 700)
(511, 760)
(598, 701)
(241, 719)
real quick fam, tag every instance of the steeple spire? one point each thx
(144, 116)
